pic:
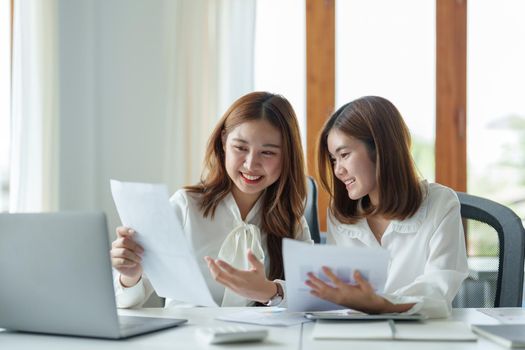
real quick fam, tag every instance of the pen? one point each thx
(392, 328)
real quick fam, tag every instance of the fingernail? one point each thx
(131, 230)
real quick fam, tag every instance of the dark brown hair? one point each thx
(283, 203)
(378, 124)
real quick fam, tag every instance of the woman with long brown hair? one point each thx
(250, 197)
(378, 200)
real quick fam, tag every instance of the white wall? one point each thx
(142, 83)
(113, 87)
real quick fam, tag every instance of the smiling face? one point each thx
(253, 157)
(352, 165)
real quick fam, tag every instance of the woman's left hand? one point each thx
(251, 284)
(359, 296)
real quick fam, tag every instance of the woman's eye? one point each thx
(240, 148)
(268, 153)
(345, 155)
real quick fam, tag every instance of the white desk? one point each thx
(295, 337)
(181, 337)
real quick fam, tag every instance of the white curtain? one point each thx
(213, 62)
(34, 126)
(112, 82)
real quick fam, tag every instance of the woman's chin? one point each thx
(353, 196)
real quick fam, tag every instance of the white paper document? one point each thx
(266, 317)
(507, 315)
(301, 258)
(168, 260)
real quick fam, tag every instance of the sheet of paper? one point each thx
(301, 258)
(266, 317)
(168, 260)
(507, 315)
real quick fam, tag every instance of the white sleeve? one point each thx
(132, 297)
(303, 233)
(284, 302)
(445, 269)
(330, 229)
(180, 205)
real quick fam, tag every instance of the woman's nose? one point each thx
(251, 160)
(338, 169)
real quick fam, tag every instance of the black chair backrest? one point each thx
(511, 238)
(310, 212)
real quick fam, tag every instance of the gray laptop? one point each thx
(56, 277)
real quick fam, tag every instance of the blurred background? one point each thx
(130, 89)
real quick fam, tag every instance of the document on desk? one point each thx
(507, 315)
(266, 317)
(301, 258)
(168, 260)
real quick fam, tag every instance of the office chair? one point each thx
(310, 212)
(497, 281)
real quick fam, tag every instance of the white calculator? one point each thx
(231, 334)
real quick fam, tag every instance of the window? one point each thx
(387, 48)
(495, 108)
(280, 46)
(5, 100)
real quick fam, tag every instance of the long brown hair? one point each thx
(377, 123)
(283, 203)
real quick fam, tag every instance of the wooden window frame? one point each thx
(451, 88)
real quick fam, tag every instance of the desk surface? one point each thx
(183, 337)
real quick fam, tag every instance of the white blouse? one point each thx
(428, 259)
(225, 236)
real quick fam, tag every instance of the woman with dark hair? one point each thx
(377, 200)
(250, 197)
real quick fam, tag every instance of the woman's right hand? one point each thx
(126, 257)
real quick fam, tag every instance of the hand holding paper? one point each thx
(358, 296)
(168, 261)
(302, 258)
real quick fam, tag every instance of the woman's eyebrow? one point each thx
(338, 149)
(272, 145)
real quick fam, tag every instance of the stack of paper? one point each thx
(266, 317)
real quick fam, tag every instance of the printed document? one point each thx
(168, 260)
(508, 315)
(266, 316)
(301, 258)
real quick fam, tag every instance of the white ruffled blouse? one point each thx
(225, 236)
(428, 260)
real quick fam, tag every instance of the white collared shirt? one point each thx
(428, 260)
(206, 237)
